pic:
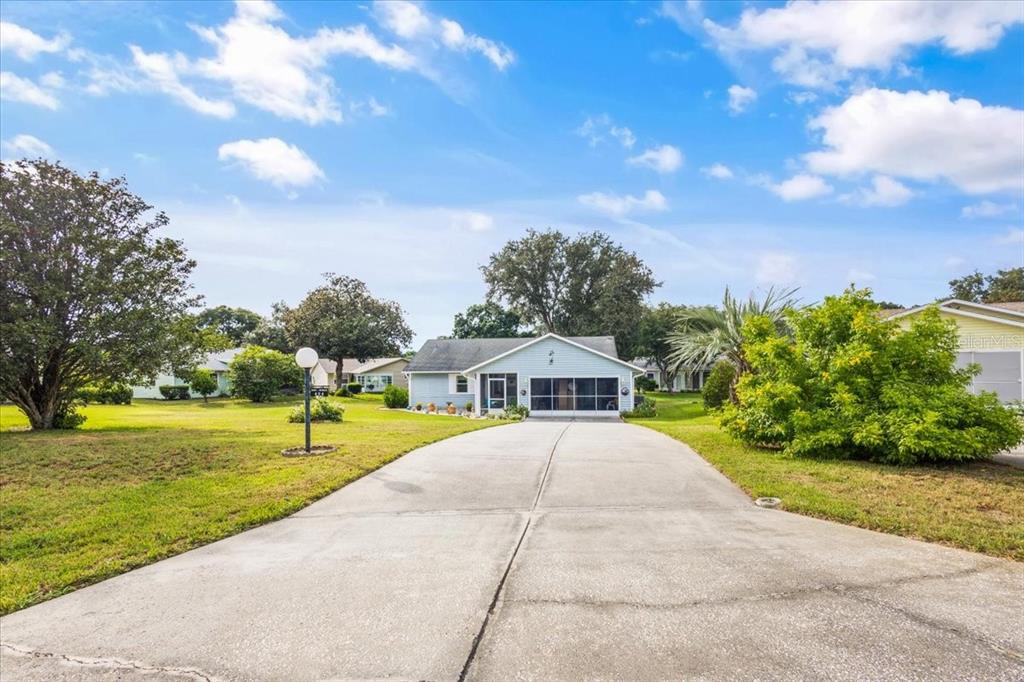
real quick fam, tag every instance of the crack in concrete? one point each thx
(511, 560)
(114, 663)
(855, 592)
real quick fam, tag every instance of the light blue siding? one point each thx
(433, 388)
(556, 358)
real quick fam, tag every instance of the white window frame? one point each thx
(453, 384)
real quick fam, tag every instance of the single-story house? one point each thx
(323, 375)
(551, 374)
(684, 380)
(375, 374)
(991, 335)
(217, 362)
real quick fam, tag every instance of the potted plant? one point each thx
(469, 406)
(419, 407)
(431, 408)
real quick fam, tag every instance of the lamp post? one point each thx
(306, 358)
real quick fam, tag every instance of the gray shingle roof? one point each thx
(455, 355)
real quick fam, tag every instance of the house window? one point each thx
(461, 384)
(373, 383)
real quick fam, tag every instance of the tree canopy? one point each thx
(235, 323)
(652, 337)
(487, 320)
(89, 293)
(1005, 285)
(341, 319)
(579, 286)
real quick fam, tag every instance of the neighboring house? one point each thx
(684, 380)
(323, 375)
(217, 362)
(991, 335)
(377, 374)
(550, 374)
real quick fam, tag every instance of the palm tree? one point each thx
(705, 335)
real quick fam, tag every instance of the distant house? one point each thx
(551, 374)
(217, 362)
(376, 374)
(324, 375)
(990, 335)
(684, 380)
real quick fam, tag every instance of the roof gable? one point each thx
(1000, 313)
(458, 355)
(572, 341)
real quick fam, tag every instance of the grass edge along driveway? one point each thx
(142, 482)
(977, 507)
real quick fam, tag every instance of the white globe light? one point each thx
(306, 357)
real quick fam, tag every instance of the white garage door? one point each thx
(576, 396)
(1000, 372)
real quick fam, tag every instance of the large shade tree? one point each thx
(704, 335)
(582, 285)
(1005, 285)
(342, 319)
(487, 321)
(89, 292)
(652, 339)
(237, 324)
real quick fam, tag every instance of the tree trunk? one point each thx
(339, 374)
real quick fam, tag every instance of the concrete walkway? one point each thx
(547, 551)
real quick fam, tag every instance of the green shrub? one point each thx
(68, 417)
(852, 385)
(105, 394)
(203, 382)
(644, 410)
(716, 388)
(396, 396)
(517, 412)
(341, 392)
(469, 406)
(175, 392)
(643, 383)
(320, 410)
(259, 373)
(355, 388)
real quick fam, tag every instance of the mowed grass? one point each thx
(145, 481)
(978, 507)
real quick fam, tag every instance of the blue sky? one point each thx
(740, 144)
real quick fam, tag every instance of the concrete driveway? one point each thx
(543, 550)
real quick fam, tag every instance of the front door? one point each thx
(496, 393)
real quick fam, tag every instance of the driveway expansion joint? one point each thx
(114, 663)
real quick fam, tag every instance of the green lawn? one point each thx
(141, 482)
(979, 507)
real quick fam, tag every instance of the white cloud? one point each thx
(26, 44)
(923, 136)
(1014, 235)
(799, 187)
(370, 107)
(884, 191)
(986, 209)
(273, 160)
(26, 146)
(802, 97)
(624, 135)
(717, 170)
(162, 71)
(595, 128)
(456, 38)
(776, 268)
(740, 98)
(820, 43)
(14, 88)
(410, 21)
(663, 159)
(620, 205)
(473, 221)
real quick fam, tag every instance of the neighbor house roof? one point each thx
(1011, 312)
(375, 363)
(330, 366)
(218, 361)
(456, 355)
